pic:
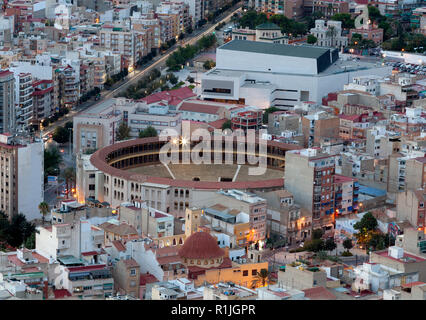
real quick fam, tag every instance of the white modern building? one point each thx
(267, 74)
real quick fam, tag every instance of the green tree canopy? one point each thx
(312, 39)
(330, 245)
(148, 132)
(314, 245)
(61, 135)
(52, 159)
(345, 18)
(347, 244)
(317, 233)
(123, 132)
(267, 112)
(226, 125)
(368, 222)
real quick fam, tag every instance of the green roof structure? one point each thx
(276, 49)
(268, 26)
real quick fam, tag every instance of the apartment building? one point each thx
(309, 176)
(410, 206)
(280, 121)
(416, 173)
(23, 99)
(7, 102)
(411, 124)
(126, 274)
(85, 281)
(43, 99)
(368, 32)
(246, 118)
(397, 258)
(128, 43)
(286, 218)
(22, 186)
(249, 203)
(230, 226)
(319, 125)
(180, 9)
(397, 170)
(300, 276)
(268, 7)
(346, 191)
(266, 32)
(329, 8)
(148, 221)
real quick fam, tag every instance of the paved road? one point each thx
(157, 62)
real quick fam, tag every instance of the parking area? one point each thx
(407, 67)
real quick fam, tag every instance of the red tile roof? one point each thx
(86, 268)
(173, 97)
(119, 245)
(159, 215)
(61, 293)
(199, 108)
(131, 263)
(413, 284)
(89, 253)
(319, 293)
(385, 254)
(147, 278)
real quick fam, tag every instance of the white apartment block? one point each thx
(22, 184)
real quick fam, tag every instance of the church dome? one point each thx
(201, 245)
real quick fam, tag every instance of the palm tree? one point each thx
(262, 277)
(331, 32)
(44, 208)
(69, 176)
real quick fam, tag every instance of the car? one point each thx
(302, 244)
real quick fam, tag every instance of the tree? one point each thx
(172, 78)
(148, 132)
(226, 125)
(44, 209)
(317, 234)
(209, 64)
(45, 122)
(60, 135)
(330, 245)
(123, 131)
(69, 125)
(261, 277)
(52, 159)
(368, 222)
(312, 39)
(70, 178)
(347, 244)
(314, 245)
(331, 32)
(19, 230)
(267, 112)
(345, 18)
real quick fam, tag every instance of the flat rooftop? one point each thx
(340, 66)
(275, 49)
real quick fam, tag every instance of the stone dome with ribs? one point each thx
(201, 245)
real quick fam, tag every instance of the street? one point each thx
(158, 61)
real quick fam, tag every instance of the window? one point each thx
(254, 272)
(245, 273)
(132, 272)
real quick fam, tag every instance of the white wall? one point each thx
(30, 179)
(241, 60)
